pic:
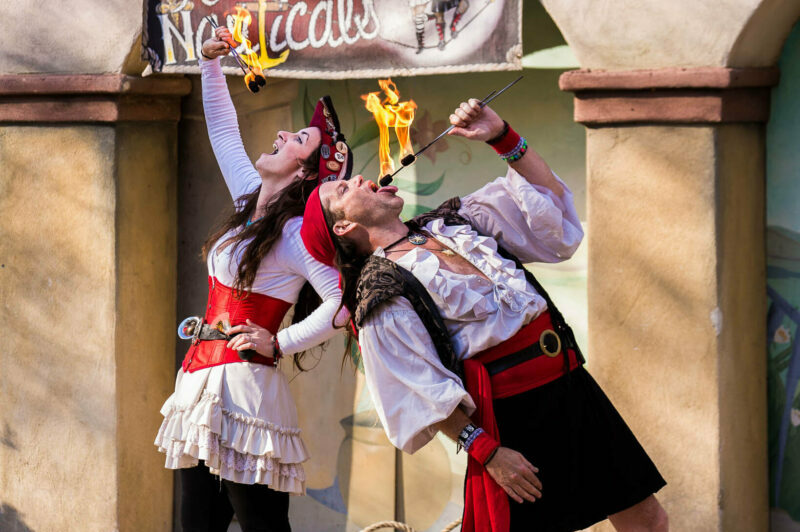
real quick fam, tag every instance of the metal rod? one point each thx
(245, 68)
(385, 180)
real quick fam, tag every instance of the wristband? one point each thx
(204, 55)
(276, 348)
(509, 145)
(494, 140)
(483, 448)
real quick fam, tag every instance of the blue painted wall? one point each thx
(783, 287)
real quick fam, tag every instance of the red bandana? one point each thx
(314, 231)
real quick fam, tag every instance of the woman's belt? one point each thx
(227, 308)
(193, 328)
(509, 368)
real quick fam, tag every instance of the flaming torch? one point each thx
(409, 159)
(249, 61)
(390, 112)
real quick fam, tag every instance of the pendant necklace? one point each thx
(418, 239)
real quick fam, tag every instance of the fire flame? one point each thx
(242, 20)
(257, 63)
(390, 112)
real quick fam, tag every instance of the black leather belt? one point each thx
(189, 330)
(549, 344)
(207, 332)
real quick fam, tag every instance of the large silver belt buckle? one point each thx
(189, 329)
(550, 343)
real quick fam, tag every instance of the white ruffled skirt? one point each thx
(241, 420)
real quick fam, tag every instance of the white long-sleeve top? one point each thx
(410, 387)
(288, 265)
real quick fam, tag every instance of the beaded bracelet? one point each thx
(468, 435)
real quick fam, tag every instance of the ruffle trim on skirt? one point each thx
(236, 447)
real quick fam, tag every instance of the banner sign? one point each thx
(336, 39)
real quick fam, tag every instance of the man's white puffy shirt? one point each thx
(410, 387)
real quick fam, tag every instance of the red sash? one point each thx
(226, 306)
(485, 503)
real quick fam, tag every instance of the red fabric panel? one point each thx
(485, 503)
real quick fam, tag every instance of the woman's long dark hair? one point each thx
(281, 207)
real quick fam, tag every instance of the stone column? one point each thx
(88, 167)
(675, 163)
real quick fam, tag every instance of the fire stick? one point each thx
(409, 159)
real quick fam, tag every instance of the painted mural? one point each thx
(355, 476)
(783, 291)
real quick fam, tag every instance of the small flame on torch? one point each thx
(255, 77)
(390, 112)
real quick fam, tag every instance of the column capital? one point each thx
(704, 95)
(90, 98)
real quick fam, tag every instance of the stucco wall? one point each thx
(624, 34)
(57, 287)
(146, 253)
(76, 37)
(651, 297)
(87, 284)
(676, 240)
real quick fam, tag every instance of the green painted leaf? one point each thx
(420, 189)
(366, 132)
(355, 356)
(411, 210)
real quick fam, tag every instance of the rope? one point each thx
(404, 527)
(452, 525)
(389, 524)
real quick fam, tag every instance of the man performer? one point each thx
(451, 325)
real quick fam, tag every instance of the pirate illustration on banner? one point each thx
(425, 10)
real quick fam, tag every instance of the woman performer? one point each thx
(232, 407)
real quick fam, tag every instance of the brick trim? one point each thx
(674, 95)
(48, 98)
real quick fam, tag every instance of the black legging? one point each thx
(208, 505)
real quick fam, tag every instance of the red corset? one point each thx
(227, 307)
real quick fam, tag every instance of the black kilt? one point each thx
(590, 463)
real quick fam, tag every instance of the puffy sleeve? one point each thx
(410, 387)
(530, 221)
(223, 132)
(317, 327)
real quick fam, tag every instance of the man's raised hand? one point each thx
(474, 123)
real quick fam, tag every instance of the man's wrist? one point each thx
(499, 135)
(483, 447)
(509, 145)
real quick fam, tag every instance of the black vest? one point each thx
(381, 279)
